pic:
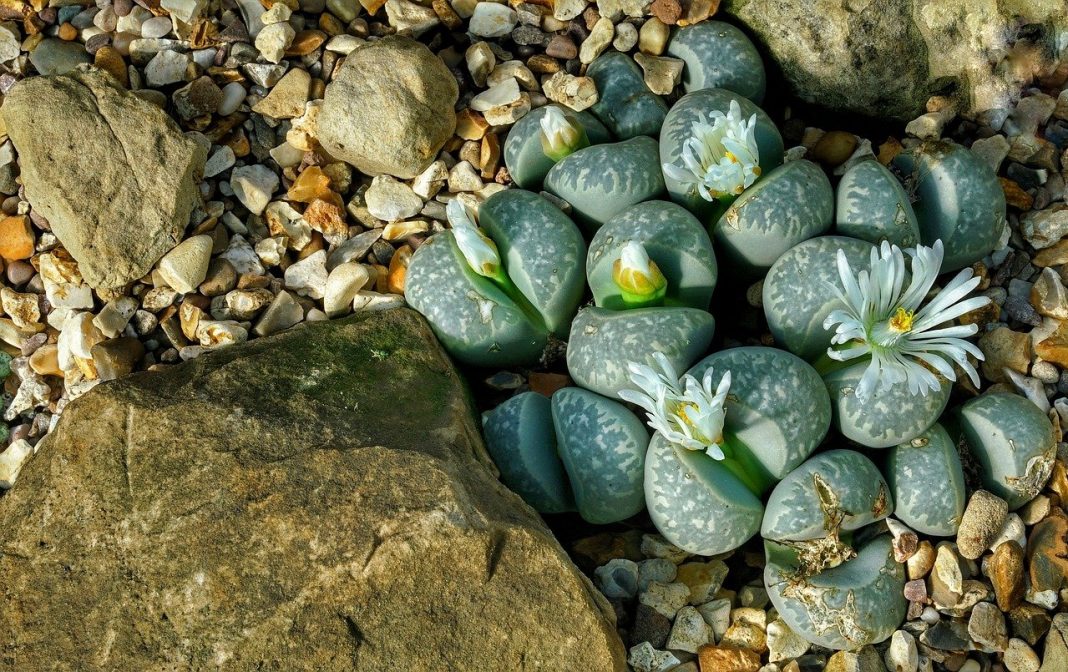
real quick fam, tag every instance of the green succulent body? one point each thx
(624, 103)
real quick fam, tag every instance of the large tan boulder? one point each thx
(318, 500)
(113, 174)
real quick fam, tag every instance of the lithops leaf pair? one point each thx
(718, 55)
(829, 590)
(528, 153)
(927, 482)
(873, 206)
(578, 452)
(495, 294)
(624, 103)
(775, 414)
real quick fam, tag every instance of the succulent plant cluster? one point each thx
(809, 444)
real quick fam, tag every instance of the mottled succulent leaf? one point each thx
(927, 482)
(521, 439)
(542, 252)
(718, 55)
(602, 445)
(799, 292)
(960, 200)
(873, 206)
(695, 502)
(523, 154)
(888, 417)
(603, 180)
(792, 203)
(476, 322)
(624, 103)
(603, 342)
(673, 238)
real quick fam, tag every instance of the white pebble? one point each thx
(233, 94)
(505, 93)
(273, 41)
(222, 160)
(491, 19)
(367, 301)
(186, 266)
(253, 186)
(342, 285)
(901, 655)
(389, 199)
(156, 27)
(308, 276)
(12, 460)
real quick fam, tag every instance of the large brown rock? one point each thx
(318, 500)
(113, 174)
(389, 108)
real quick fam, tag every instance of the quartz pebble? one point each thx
(253, 186)
(186, 266)
(389, 199)
(689, 632)
(492, 20)
(12, 460)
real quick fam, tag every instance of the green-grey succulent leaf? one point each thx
(777, 406)
(873, 206)
(888, 417)
(799, 292)
(678, 128)
(960, 201)
(718, 55)
(476, 322)
(523, 154)
(857, 603)
(695, 502)
(521, 439)
(603, 446)
(836, 491)
(672, 237)
(927, 482)
(792, 203)
(603, 180)
(624, 103)
(1013, 441)
(542, 251)
(603, 342)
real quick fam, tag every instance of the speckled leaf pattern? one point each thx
(475, 321)
(604, 341)
(777, 405)
(927, 483)
(624, 103)
(602, 445)
(673, 238)
(888, 417)
(1013, 441)
(521, 440)
(542, 251)
(799, 292)
(602, 180)
(835, 491)
(718, 55)
(960, 201)
(678, 128)
(790, 204)
(523, 155)
(873, 206)
(695, 502)
(859, 602)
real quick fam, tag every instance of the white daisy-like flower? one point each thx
(560, 135)
(687, 412)
(721, 159)
(638, 276)
(479, 251)
(883, 319)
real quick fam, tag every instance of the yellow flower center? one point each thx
(901, 322)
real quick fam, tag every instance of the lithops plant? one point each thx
(624, 103)
(799, 292)
(578, 452)
(701, 134)
(716, 453)
(873, 206)
(959, 200)
(859, 602)
(718, 55)
(927, 482)
(792, 203)
(603, 180)
(495, 296)
(1012, 440)
(905, 349)
(675, 242)
(529, 151)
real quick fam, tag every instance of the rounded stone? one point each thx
(523, 154)
(719, 55)
(927, 482)
(873, 206)
(389, 109)
(981, 523)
